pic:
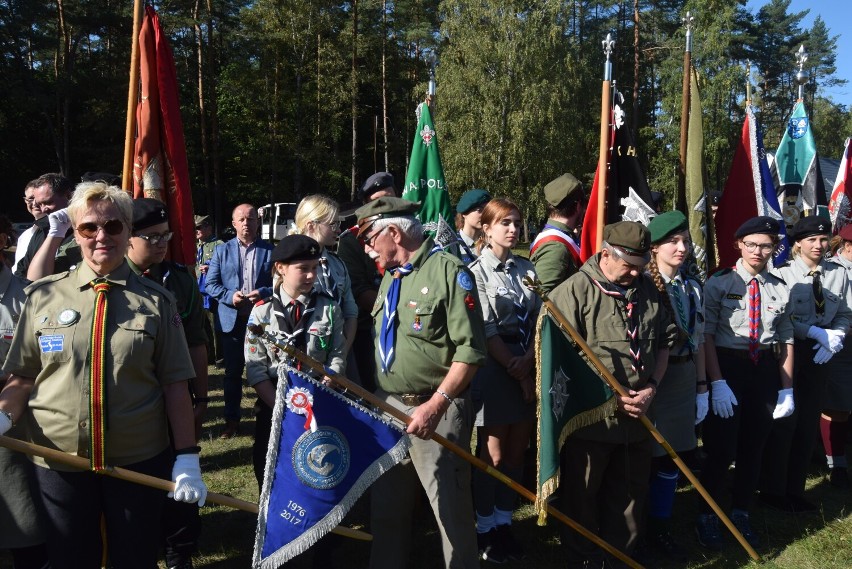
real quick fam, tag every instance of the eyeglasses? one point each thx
(750, 246)
(155, 238)
(333, 226)
(369, 241)
(89, 230)
(29, 200)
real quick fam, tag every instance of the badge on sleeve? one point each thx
(469, 302)
(464, 280)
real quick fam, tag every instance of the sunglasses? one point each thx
(368, 241)
(156, 238)
(89, 230)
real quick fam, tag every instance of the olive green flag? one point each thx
(570, 394)
(703, 254)
(425, 181)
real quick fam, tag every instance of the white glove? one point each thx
(785, 405)
(59, 223)
(723, 398)
(5, 423)
(702, 405)
(835, 340)
(823, 354)
(186, 474)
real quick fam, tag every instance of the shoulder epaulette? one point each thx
(721, 272)
(44, 280)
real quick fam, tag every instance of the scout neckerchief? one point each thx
(97, 378)
(753, 320)
(631, 322)
(325, 280)
(518, 299)
(685, 322)
(819, 299)
(387, 335)
(292, 318)
(553, 233)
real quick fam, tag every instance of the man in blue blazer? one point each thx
(240, 274)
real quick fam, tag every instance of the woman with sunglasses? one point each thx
(503, 390)
(99, 369)
(317, 217)
(820, 309)
(681, 400)
(748, 339)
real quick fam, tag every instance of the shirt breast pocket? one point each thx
(772, 317)
(502, 303)
(418, 319)
(56, 341)
(135, 338)
(735, 312)
(319, 339)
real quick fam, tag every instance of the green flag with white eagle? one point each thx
(425, 181)
(796, 168)
(571, 395)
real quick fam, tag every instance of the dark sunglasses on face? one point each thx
(89, 229)
(156, 238)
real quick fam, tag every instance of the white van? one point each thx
(276, 220)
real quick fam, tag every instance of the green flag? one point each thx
(425, 181)
(696, 198)
(571, 395)
(796, 167)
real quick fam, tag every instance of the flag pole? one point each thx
(615, 385)
(399, 415)
(132, 99)
(680, 201)
(801, 75)
(81, 463)
(603, 150)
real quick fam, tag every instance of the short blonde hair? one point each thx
(87, 193)
(317, 208)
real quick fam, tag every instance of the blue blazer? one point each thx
(224, 278)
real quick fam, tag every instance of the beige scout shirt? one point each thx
(836, 292)
(439, 322)
(12, 298)
(500, 285)
(147, 349)
(726, 308)
(324, 339)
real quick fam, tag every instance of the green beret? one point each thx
(295, 248)
(562, 188)
(632, 238)
(383, 208)
(810, 225)
(202, 220)
(665, 224)
(148, 212)
(472, 199)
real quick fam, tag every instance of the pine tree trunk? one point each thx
(354, 88)
(202, 118)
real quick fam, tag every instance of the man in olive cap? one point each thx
(606, 465)
(555, 252)
(430, 340)
(205, 244)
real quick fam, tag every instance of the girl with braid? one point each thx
(682, 398)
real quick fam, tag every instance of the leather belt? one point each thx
(680, 359)
(413, 399)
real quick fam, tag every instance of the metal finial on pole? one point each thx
(608, 44)
(801, 75)
(687, 22)
(430, 91)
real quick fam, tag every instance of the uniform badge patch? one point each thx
(51, 343)
(734, 297)
(68, 316)
(321, 459)
(417, 325)
(501, 290)
(464, 281)
(469, 302)
(424, 290)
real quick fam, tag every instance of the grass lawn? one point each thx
(816, 541)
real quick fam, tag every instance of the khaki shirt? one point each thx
(836, 292)
(501, 285)
(439, 322)
(726, 308)
(205, 249)
(146, 350)
(324, 339)
(602, 321)
(553, 263)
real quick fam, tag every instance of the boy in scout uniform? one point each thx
(430, 340)
(205, 244)
(606, 465)
(554, 252)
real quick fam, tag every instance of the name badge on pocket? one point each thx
(52, 343)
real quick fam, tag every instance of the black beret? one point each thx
(376, 182)
(148, 212)
(472, 199)
(761, 224)
(810, 225)
(295, 248)
(383, 208)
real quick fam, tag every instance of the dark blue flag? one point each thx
(324, 451)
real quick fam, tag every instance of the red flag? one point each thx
(749, 192)
(840, 206)
(628, 196)
(160, 168)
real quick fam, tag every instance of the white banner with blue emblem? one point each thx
(324, 451)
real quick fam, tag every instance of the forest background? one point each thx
(283, 98)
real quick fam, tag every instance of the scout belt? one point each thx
(413, 399)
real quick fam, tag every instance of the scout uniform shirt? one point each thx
(500, 287)
(146, 350)
(467, 248)
(726, 308)
(836, 293)
(177, 280)
(439, 322)
(688, 307)
(12, 298)
(324, 338)
(338, 285)
(553, 262)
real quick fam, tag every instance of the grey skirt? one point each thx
(19, 525)
(673, 408)
(497, 396)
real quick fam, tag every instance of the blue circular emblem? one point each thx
(321, 459)
(464, 280)
(797, 127)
